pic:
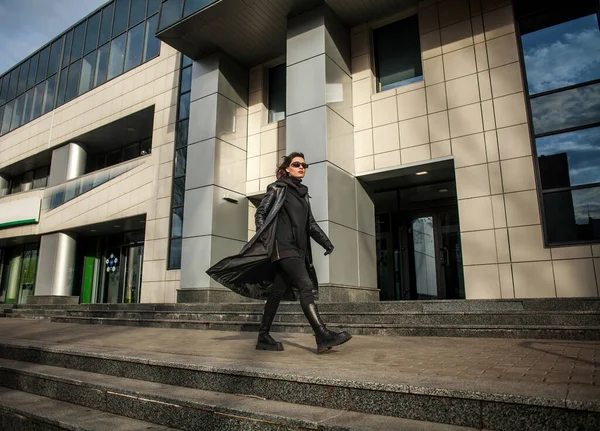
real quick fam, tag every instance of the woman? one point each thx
(279, 256)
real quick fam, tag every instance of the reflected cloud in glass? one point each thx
(571, 108)
(562, 55)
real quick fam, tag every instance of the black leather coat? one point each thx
(250, 273)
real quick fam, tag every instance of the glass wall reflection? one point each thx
(561, 53)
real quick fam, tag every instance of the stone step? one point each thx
(423, 330)
(500, 405)
(580, 318)
(187, 408)
(471, 305)
(31, 412)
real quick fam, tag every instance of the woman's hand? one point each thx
(329, 250)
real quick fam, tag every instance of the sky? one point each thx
(26, 25)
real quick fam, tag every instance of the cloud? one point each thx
(574, 58)
(27, 25)
(571, 108)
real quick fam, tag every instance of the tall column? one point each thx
(319, 123)
(216, 210)
(56, 265)
(68, 162)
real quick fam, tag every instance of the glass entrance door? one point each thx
(434, 256)
(134, 256)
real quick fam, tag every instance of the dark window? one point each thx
(178, 191)
(137, 13)
(184, 106)
(53, 62)
(40, 177)
(117, 55)
(131, 151)
(49, 94)
(277, 77)
(101, 65)
(8, 108)
(135, 45)
(32, 71)
(175, 253)
(186, 61)
(43, 65)
(62, 87)
(180, 161)
(113, 158)
(561, 56)
(1, 118)
(78, 42)
(153, 6)
(170, 13)
(151, 43)
(91, 36)
(4, 90)
(23, 77)
(87, 72)
(14, 80)
(106, 25)
(186, 80)
(17, 112)
(38, 100)
(73, 81)
(194, 5)
(67, 52)
(177, 222)
(398, 53)
(121, 17)
(28, 109)
(181, 134)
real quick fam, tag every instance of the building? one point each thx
(454, 147)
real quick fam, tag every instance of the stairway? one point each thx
(94, 377)
(569, 318)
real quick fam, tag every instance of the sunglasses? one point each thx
(298, 164)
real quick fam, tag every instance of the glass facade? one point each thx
(30, 180)
(18, 268)
(398, 54)
(172, 11)
(112, 40)
(561, 56)
(179, 168)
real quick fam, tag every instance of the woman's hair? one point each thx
(287, 160)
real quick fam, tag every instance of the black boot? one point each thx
(265, 341)
(326, 339)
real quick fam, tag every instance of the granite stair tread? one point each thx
(26, 411)
(243, 407)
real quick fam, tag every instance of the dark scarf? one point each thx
(295, 185)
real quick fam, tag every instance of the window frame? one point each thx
(533, 136)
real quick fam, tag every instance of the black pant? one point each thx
(290, 272)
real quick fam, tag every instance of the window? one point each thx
(277, 76)
(91, 35)
(112, 40)
(561, 57)
(78, 41)
(170, 13)
(135, 41)
(121, 17)
(117, 55)
(398, 54)
(29, 180)
(179, 165)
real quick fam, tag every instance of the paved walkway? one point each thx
(551, 369)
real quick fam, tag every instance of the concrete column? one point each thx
(319, 123)
(56, 265)
(216, 210)
(68, 162)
